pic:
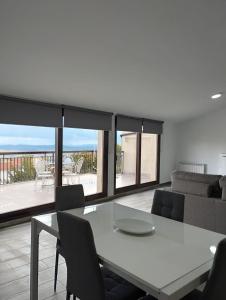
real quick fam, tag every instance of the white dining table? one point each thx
(168, 263)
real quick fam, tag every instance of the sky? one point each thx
(31, 135)
(33, 138)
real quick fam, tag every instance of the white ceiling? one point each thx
(152, 58)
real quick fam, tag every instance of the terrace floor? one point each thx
(17, 196)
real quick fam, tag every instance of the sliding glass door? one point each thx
(83, 159)
(27, 167)
(43, 145)
(137, 153)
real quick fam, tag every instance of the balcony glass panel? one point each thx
(83, 159)
(149, 145)
(27, 167)
(126, 152)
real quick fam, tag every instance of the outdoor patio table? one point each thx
(167, 264)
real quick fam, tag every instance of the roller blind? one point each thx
(88, 119)
(152, 126)
(25, 112)
(126, 123)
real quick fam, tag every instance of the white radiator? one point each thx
(191, 167)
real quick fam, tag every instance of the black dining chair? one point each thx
(85, 278)
(169, 205)
(215, 288)
(67, 197)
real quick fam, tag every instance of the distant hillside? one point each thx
(28, 148)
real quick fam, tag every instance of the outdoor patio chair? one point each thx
(42, 172)
(78, 167)
(72, 170)
(68, 168)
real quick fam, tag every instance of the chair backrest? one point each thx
(169, 205)
(79, 165)
(68, 163)
(215, 288)
(84, 278)
(40, 166)
(69, 197)
(67, 160)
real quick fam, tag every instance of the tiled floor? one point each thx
(15, 257)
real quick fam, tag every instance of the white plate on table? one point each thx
(134, 226)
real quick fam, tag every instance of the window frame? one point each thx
(59, 143)
(138, 183)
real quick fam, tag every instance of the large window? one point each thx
(27, 167)
(136, 160)
(137, 152)
(44, 145)
(28, 171)
(83, 161)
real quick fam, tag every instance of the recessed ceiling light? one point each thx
(216, 96)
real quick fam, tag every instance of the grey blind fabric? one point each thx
(22, 112)
(126, 123)
(152, 126)
(87, 119)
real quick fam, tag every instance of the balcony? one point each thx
(27, 178)
(21, 186)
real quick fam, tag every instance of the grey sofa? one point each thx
(205, 199)
(223, 187)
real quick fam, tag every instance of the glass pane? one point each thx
(126, 158)
(83, 159)
(149, 144)
(27, 159)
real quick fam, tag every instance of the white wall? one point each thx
(168, 152)
(202, 140)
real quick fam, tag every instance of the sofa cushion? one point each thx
(199, 211)
(220, 207)
(223, 186)
(192, 187)
(212, 180)
(223, 197)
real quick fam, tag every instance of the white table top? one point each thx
(157, 261)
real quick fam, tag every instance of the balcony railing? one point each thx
(20, 166)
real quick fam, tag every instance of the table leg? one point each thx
(35, 231)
